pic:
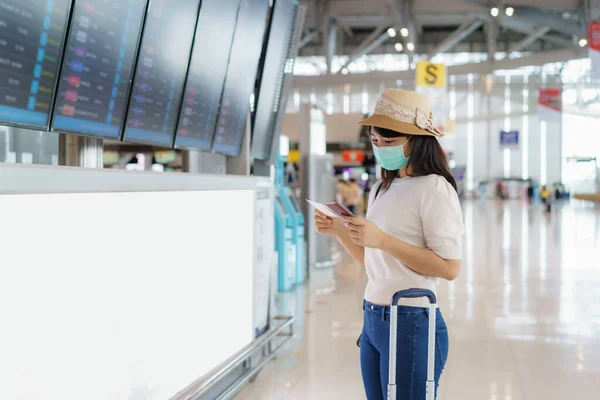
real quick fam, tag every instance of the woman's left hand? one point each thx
(364, 232)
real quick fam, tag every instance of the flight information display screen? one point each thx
(206, 75)
(161, 70)
(97, 68)
(31, 40)
(241, 75)
(271, 81)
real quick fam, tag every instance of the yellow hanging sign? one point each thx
(431, 75)
(294, 156)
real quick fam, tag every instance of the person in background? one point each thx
(291, 174)
(482, 190)
(342, 191)
(545, 195)
(354, 197)
(557, 192)
(530, 193)
(500, 191)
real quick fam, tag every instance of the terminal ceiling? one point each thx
(358, 27)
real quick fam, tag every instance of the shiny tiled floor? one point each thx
(523, 316)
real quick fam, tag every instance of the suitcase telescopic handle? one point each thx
(414, 294)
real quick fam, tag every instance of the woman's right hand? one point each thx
(328, 225)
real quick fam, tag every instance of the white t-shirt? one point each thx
(422, 211)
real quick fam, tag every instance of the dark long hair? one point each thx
(427, 157)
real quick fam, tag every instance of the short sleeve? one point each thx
(373, 192)
(442, 219)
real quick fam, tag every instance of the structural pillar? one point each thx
(316, 181)
(80, 151)
(490, 134)
(594, 10)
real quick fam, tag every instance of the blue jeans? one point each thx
(411, 369)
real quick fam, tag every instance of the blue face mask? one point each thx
(391, 158)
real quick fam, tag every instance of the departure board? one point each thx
(271, 82)
(97, 68)
(206, 74)
(31, 40)
(161, 70)
(241, 75)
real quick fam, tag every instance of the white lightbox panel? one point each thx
(122, 295)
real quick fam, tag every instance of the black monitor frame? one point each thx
(127, 97)
(185, 85)
(135, 67)
(270, 135)
(248, 121)
(62, 50)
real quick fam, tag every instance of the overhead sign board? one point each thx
(356, 156)
(509, 139)
(430, 74)
(432, 82)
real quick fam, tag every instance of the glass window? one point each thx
(27, 146)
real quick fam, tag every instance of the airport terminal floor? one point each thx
(523, 316)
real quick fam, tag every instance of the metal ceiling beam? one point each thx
(378, 36)
(445, 19)
(528, 29)
(307, 39)
(528, 40)
(457, 36)
(492, 38)
(325, 22)
(587, 8)
(481, 68)
(397, 7)
(365, 21)
(549, 18)
(539, 17)
(321, 11)
(594, 10)
(347, 30)
(409, 16)
(374, 20)
(332, 40)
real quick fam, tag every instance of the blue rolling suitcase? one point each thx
(412, 294)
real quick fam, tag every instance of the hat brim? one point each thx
(381, 121)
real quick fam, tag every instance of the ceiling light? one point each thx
(404, 32)
(391, 32)
(410, 46)
(494, 11)
(583, 42)
(509, 11)
(344, 71)
(399, 47)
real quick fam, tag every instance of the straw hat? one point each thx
(403, 111)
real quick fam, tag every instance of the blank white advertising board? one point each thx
(122, 296)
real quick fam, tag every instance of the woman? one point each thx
(412, 236)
